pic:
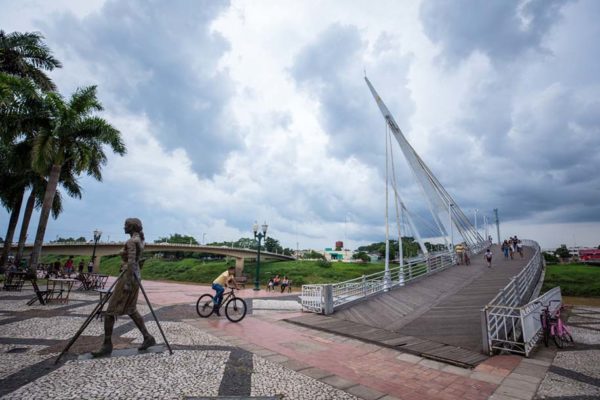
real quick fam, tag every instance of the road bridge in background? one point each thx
(106, 249)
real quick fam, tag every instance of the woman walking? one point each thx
(488, 257)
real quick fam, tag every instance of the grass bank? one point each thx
(578, 280)
(198, 271)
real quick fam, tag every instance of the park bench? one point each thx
(241, 280)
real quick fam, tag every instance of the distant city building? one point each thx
(338, 255)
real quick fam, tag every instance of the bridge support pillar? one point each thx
(239, 266)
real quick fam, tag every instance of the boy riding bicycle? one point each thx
(219, 286)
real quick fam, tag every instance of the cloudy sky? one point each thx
(257, 110)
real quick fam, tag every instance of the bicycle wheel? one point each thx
(235, 309)
(205, 306)
(566, 337)
(546, 336)
(558, 341)
(569, 337)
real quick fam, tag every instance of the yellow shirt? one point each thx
(459, 248)
(223, 278)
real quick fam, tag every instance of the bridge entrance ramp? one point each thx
(437, 317)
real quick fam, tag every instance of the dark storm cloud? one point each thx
(498, 28)
(530, 126)
(159, 58)
(331, 70)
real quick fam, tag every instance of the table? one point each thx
(91, 281)
(60, 294)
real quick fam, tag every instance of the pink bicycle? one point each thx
(553, 326)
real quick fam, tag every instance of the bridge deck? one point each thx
(437, 317)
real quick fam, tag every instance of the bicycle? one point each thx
(552, 326)
(235, 307)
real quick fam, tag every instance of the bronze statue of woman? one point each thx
(124, 296)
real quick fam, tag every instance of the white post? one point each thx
(451, 228)
(401, 252)
(386, 276)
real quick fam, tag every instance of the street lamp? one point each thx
(97, 235)
(260, 236)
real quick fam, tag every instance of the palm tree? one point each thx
(25, 55)
(75, 137)
(36, 197)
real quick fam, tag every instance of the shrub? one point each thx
(324, 263)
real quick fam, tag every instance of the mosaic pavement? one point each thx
(202, 365)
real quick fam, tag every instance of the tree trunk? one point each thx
(44, 214)
(25, 225)
(12, 225)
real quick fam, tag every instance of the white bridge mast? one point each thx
(439, 200)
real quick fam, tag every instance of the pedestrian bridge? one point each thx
(436, 309)
(106, 249)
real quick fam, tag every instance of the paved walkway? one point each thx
(261, 356)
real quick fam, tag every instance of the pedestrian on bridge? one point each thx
(460, 251)
(488, 257)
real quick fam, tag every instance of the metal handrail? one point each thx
(507, 320)
(335, 295)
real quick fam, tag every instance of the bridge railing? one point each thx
(332, 296)
(508, 320)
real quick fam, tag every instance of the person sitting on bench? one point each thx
(284, 283)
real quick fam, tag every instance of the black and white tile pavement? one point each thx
(202, 365)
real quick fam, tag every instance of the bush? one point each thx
(324, 263)
(550, 258)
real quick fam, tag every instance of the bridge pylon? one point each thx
(439, 200)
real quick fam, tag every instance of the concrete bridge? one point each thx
(106, 249)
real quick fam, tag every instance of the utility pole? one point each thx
(497, 224)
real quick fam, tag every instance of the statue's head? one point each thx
(133, 225)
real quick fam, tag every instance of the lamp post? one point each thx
(260, 236)
(97, 235)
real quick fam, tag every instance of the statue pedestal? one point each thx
(159, 348)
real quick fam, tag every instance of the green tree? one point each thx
(563, 252)
(361, 255)
(26, 55)
(22, 58)
(272, 245)
(177, 238)
(246, 243)
(312, 255)
(551, 258)
(80, 239)
(75, 137)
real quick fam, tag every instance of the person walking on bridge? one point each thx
(488, 257)
(460, 251)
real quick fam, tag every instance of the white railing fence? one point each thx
(509, 320)
(335, 295)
